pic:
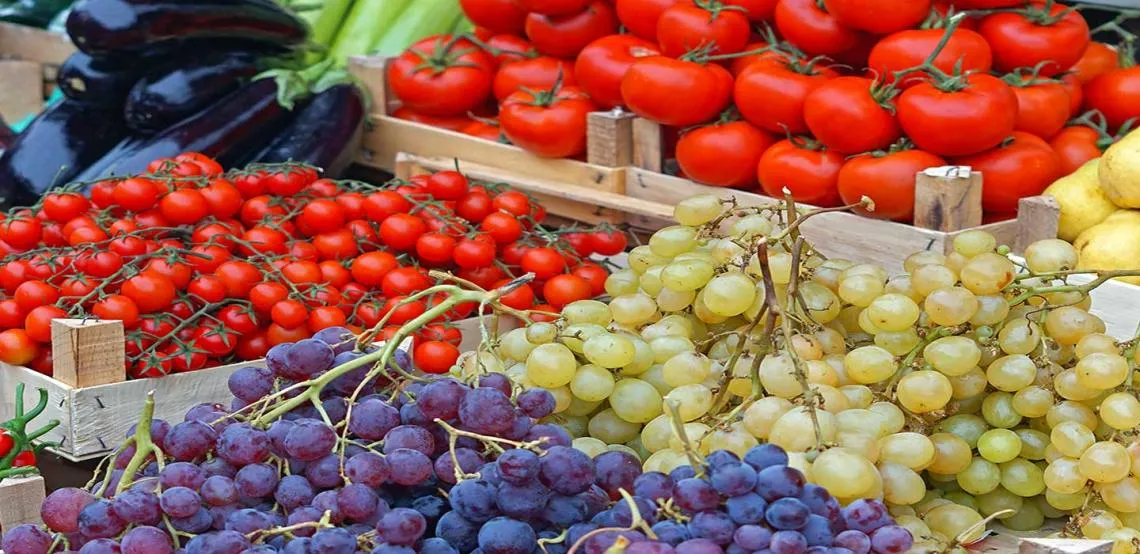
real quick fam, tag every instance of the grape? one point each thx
(98, 521)
(197, 523)
(891, 539)
(146, 540)
(309, 440)
(856, 541)
(251, 383)
(865, 515)
(734, 479)
(787, 542)
(60, 510)
(293, 491)
(536, 403)
(779, 481)
(26, 539)
(240, 445)
(787, 513)
(409, 436)
(306, 358)
(652, 485)
(616, 471)
(469, 462)
(101, 546)
(339, 338)
(695, 495)
(554, 435)
(323, 473)
(403, 526)
(565, 470)
(518, 466)
(218, 490)
(180, 502)
(440, 399)
(486, 411)
(460, 533)
(256, 480)
(372, 418)
(189, 440)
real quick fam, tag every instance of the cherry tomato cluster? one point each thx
(833, 99)
(203, 267)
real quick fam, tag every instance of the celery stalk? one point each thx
(422, 19)
(366, 23)
(462, 26)
(326, 27)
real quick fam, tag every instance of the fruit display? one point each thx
(833, 100)
(203, 267)
(19, 445)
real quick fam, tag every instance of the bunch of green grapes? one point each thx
(971, 386)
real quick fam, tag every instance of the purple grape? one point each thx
(440, 399)
(623, 515)
(713, 525)
(474, 499)
(340, 339)
(817, 531)
(746, 509)
(197, 523)
(309, 440)
(566, 470)
(367, 468)
(147, 540)
(431, 507)
(98, 521)
(504, 535)
(218, 542)
(293, 491)
(601, 542)
(671, 532)
(787, 514)
(460, 533)
(752, 537)
(298, 546)
(248, 520)
(304, 514)
(486, 411)
(652, 485)
(181, 474)
(101, 546)
(403, 526)
(306, 358)
(522, 501)
(409, 436)
(437, 545)
(775, 482)
(891, 539)
(26, 539)
(615, 471)
(218, 490)
(518, 466)
(158, 430)
(469, 462)
(866, 515)
(520, 427)
(563, 511)
(766, 455)
(336, 408)
(386, 548)
(189, 440)
(218, 466)
(788, 542)
(326, 502)
(649, 547)
(555, 435)
(241, 444)
(347, 383)
(409, 467)
(733, 478)
(698, 546)
(180, 502)
(357, 501)
(251, 383)
(855, 541)
(256, 480)
(325, 472)
(371, 419)
(695, 495)
(682, 472)
(821, 502)
(496, 381)
(536, 403)
(60, 510)
(333, 541)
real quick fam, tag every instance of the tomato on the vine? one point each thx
(687, 26)
(544, 262)
(20, 232)
(549, 123)
(1115, 93)
(602, 64)
(975, 115)
(404, 281)
(27, 458)
(117, 306)
(320, 215)
(65, 206)
(880, 17)
(323, 317)
(184, 206)
(435, 357)
(38, 322)
(809, 171)
(400, 314)
(908, 49)
(474, 252)
(770, 94)
(442, 75)
(852, 115)
(499, 16)
(521, 298)
(223, 199)
(538, 72)
(1098, 59)
(608, 243)
(447, 185)
(1042, 107)
(31, 294)
(379, 205)
(370, 268)
(723, 154)
(652, 85)
(502, 227)
(16, 347)
(564, 36)
(563, 289)
(593, 274)
(435, 248)
(1017, 169)
(887, 178)
(1076, 145)
(815, 31)
(208, 288)
(400, 231)
(289, 313)
(1052, 36)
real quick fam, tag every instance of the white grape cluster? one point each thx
(970, 386)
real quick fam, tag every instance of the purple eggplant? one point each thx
(172, 94)
(326, 133)
(97, 80)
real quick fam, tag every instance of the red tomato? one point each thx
(1055, 37)
(1116, 94)
(543, 262)
(887, 179)
(150, 292)
(1074, 92)
(208, 289)
(276, 334)
(737, 65)
(687, 26)
(908, 49)
(179, 273)
(320, 216)
(1042, 108)
(32, 294)
(608, 243)
(809, 172)
(136, 194)
(323, 317)
(343, 243)
(400, 231)
(564, 36)
(264, 295)
(1077, 145)
(289, 314)
(512, 201)
(404, 281)
(881, 17)
(595, 275)
(184, 206)
(441, 76)
(239, 277)
(486, 130)
(447, 185)
(223, 199)
(511, 48)
(435, 248)
(563, 289)
(475, 205)
(26, 458)
(65, 206)
(119, 307)
(602, 64)
(755, 10)
(813, 30)
(500, 16)
(539, 72)
(435, 357)
(1098, 59)
(548, 123)
(723, 155)
(502, 227)
(1013, 171)
(543, 312)
(475, 253)
(379, 205)
(640, 16)
(38, 322)
(851, 115)
(6, 442)
(21, 233)
(16, 347)
(770, 94)
(652, 86)
(522, 298)
(552, 7)
(967, 121)
(450, 122)
(401, 311)
(370, 268)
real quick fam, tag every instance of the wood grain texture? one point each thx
(948, 198)
(29, 43)
(21, 88)
(609, 138)
(20, 500)
(1064, 546)
(648, 145)
(1038, 218)
(87, 353)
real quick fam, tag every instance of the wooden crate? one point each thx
(29, 59)
(20, 500)
(96, 404)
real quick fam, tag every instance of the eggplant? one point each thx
(326, 133)
(105, 26)
(168, 96)
(99, 81)
(227, 131)
(62, 141)
(6, 135)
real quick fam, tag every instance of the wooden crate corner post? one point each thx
(948, 198)
(87, 353)
(20, 500)
(1064, 546)
(609, 138)
(1038, 218)
(648, 145)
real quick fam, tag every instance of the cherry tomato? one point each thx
(521, 298)
(544, 262)
(402, 312)
(136, 194)
(21, 233)
(435, 357)
(38, 322)
(755, 10)
(31, 294)
(323, 317)
(435, 248)
(561, 290)
(447, 185)
(264, 295)
(1042, 108)
(579, 243)
(116, 306)
(564, 36)
(640, 16)
(539, 72)
(223, 199)
(513, 202)
(253, 346)
(966, 121)
(608, 243)
(151, 292)
(400, 231)
(808, 171)
(276, 334)
(1116, 94)
(548, 123)
(404, 281)
(880, 17)
(370, 268)
(687, 26)
(26, 458)
(240, 276)
(441, 76)
(63, 207)
(887, 179)
(179, 273)
(499, 16)
(183, 207)
(723, 155)
(653, 84)
(474, 253)
(379, 205)
(1013, 171)
(851, 115)
(595, 275)
(16, 347)
(289, 314)
(342, 243)
(320, 216)
(770, 94)
(475, 205)
(6, 442)
(502, 227)
(1055, 37)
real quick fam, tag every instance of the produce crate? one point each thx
(20, 499)
(96, 404)
(29, 59)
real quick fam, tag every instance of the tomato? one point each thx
(240, 276)
(320, 216)
(26, 458)
(579, 243)
(102, 194)
(500, 16)
(513, 202)
(323, 317)
(770, 94)
(961, 122)
(208, 288)
(276, 334)
(223, 199)
(441, 76)
(548, 123)
(808, 171)
(564, 36)
(16, 347)
(608, 243)
(76, 287)
(851, 115)
(887, 179)
(1098, 59)
(543, 313)
(447, 185)
(216, 341)
(1077, 145)
(450, 122)
(289, 181)
(206, 258)
(65, 206)
(404, 281)
(370, 268)
(543, 262)
(1056, 38)
(987, 4)
(474, 253)
(595, 275)
(38, 322)
(21, 233)
(602, 64)
(510, 48)
(1042, 108)
(1116, 94)
(1074, 92)
(723, 154)
(521, 298)
(540, 72)
(755, 10)
(136, 194)
(561, 290)
(400, 231)
(435, 248)
(640, 16)
(264, 295)
(31, 294)
(813, 30)
(289, 314)
(908, 49)
(652, 86)
(379, 205)
(474, 206)
(261, 208)
(86, 235)
(552, 7)
(340, 244)
(880, 17)
(687, 26)
(6, 442)
(151, 292)
(400, 311)
(1014, 170)
(502, 227)
(119, 307)
(486, 130)
(435, 357)
(301, 272)
(184, 206)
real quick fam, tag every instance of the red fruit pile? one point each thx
(203, 267)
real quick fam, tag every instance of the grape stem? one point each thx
(1102, 278)
(144, 446)
(638, 523)
(695, 459)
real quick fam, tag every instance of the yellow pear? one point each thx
(1112, 245)
(1082, 202)
(1119, 171)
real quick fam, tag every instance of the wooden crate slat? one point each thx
(22, 92)
(20, 500)
(29, 43)
(87, 353)
(29, 59)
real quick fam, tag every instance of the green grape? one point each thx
(729, 294)
(898, 343)
(992, 309)
(869, 364)
(980, 477)
(541, 333)
(951, 454)
(952, 356)
(635, 400)
(950, 306)
(686, 368)
(703, 313)
(904, 285)
(1095, 525)
(1067, 410)
(780, 263)
(1071, 438)
(842, 472)
(727, 251)
(650, 281)
(1019, 336)
(735, 440)
(1069, 324)
(1096, 343)
(895, 419)
(575, 336)
(999, 445)
(1033, 401)
(958, 497)
(892, 312)
(673, 240)
(1011, 373)
(973, 243)
(858, 396)
(998, 500)
(970, 385)
(823, 306)
(863, 444)
(587, 311)
(1050, 255)
(930, 277)
(724, 348)
(924, 391)
(665, 347)
(670, 325)
(592, 383)
(1065, 501)
(1121, 411)
(987, 273)
(795, 432)
(655, 435)
(778, 376)
(751, 225)
(575, 425)
(1122, 496)
(579, 407)
(609, 350)
(655, 377)
(695, 432)
(1063, 475)
(612, 429)
(551, 365)
(913, 450)
(1028, 518)
(1101, 371)
(633, 309)
(1046, 509)
(860, 290)
(642, 257)
(968, 427)
(590, 445)
(761, 415)
(864, 269)
(827, 274)
(562, 398)
(669, 300)
(622, 281)
(643, 358)
(831, 341)
(1124, 539)
(1033, 444)
(695, 211)
(687, 275)
(691, 401)
(1105, 462)
(998, 410)
(514, 345)
(1068, 384)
